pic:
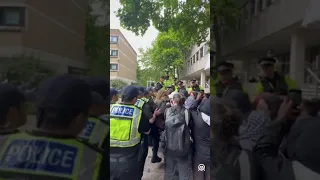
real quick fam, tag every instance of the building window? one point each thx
(201, 52)
(113, 67)
(191, 61)
(12, 16)
(197, 55)
(113, 52)
(194, 58)
(114, 39)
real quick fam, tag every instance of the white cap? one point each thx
(172, 94)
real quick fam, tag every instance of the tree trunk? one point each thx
(217, 40)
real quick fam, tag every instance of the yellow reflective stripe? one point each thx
(117, 130)
(97, 167)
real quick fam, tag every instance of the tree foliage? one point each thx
(146, 71)
(224, 16)
(97, 46)
(191, 18)
(167, 50)
(27, 70)
(118, 84)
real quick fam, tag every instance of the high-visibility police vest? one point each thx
(95, 131)
(145, 100)
(124, 123)
(140, 103)
(24, 155)
(196, 88)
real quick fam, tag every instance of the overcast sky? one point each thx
(135, 41)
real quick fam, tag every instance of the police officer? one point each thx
(271, 81)
(180, 87)
(114, 95)
(194, 86)
(12, 109)
(154, 137)
(52, 150)
(125, 136)
(143, 104)
(97, 126)
(160, 84)
(226, 80)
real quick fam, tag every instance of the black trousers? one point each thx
(155, 135)
(124, 168)
(143, 153)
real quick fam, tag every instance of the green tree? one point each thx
(224, 16)
(167, 50)
(27, 70)
(97, 46)
(118, 83)
(146, 71)
(191, 18)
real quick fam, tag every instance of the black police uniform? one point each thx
(277, 84)
(220, 88)
(146, 110)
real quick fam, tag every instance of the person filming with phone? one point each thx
(286, 149)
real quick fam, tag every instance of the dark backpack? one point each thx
(177, 134)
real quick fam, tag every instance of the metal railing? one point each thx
(316, 82)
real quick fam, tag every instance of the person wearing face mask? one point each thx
(12, 109)
(226, 80)
(97, 127)
(272, 81)
(52, 150)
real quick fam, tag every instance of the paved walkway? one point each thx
(153, 171)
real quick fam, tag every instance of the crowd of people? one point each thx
(172, 118)
(270, 136)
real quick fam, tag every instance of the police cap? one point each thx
(130, 92)
(266, 61)
(193, 80)
(113, 92)
(225, 66)
(180, 82)
(65, 93)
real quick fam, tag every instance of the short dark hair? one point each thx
(10, 97)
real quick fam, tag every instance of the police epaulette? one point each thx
(95, 148)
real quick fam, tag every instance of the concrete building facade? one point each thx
(123, 58)
(197, 64)
(42, 29)
(275, 25)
